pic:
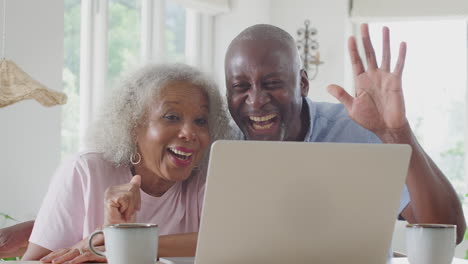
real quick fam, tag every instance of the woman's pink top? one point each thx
(74, 204)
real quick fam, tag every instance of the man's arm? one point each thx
(433, 199)
(14, 239)
(378, 106)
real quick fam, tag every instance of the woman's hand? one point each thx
(73, 255)
(122, 202)
(79, 253)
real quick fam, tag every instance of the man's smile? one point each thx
(262, 122)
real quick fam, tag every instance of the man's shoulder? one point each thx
(330, 122)
(330, 111)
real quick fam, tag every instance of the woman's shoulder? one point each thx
(91, 171)
(87, 163)
(88, 157)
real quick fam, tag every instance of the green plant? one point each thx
(465, 237)
(7, 217)
(7, 259)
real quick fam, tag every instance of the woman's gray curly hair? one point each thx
(113, 133)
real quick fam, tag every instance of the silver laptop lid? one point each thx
(290, 202)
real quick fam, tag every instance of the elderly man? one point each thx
(267, 97)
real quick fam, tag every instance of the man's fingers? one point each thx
(356, 61)
(401, 60)
(368, 49)
(386, 56)
(339, 93)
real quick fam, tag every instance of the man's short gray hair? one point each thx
(266, 32)
(113, 132)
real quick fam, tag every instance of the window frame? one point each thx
(94, 47)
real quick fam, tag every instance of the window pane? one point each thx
(175, 32)
(434, 83)
(71, 77)
(124, 33)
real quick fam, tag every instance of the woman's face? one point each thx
(175, 136)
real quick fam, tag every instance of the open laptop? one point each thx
(290, 202)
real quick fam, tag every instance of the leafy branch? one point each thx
(7, 217)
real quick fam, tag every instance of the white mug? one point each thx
(430, 243)
(128, 243)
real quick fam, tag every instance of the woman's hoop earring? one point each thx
(135, 158)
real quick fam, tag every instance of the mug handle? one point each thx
(91, 246)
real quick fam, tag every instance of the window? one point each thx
(434, 83)
(175, 32)
(124, 38)
(123, 22)
(71, 77)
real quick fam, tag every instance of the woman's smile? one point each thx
(181, 156)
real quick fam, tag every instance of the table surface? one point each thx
(187, 260)
(405, 261)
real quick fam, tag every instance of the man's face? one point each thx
(265, 90)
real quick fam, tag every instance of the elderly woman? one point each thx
(152, 140)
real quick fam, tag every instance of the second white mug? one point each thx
(430, 243)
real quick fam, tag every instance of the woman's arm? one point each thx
(180, 245)
(35, 252)
(60, 220)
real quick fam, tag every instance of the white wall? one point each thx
(244, 13)
(329, 17)
(29, 132)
